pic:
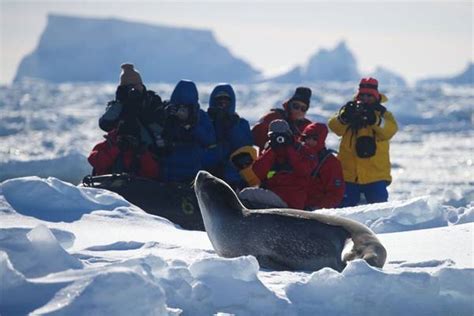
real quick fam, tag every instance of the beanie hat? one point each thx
(279, 126)
(302, 94)
(369, 86)
(129, 76)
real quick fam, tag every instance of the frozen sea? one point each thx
(67, 250)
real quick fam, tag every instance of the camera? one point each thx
(357, 115)
(280, 139)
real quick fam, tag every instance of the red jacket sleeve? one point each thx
(260, 130)
(302, 164)
(332, 184)
(103, 157)
(263, 164)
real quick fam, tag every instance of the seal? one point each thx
(281, 239)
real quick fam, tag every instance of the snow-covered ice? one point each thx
(68, 250)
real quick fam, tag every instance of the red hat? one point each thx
(369, 86)
(317, 129)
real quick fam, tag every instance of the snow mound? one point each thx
(9, 277)
(36, 252)
(54, 200)
(18, 296)
(464, 214)
(70, 167)
(361, 288)
(396, 216)
(113, 292)
(232, 286)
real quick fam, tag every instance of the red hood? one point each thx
(319, 129)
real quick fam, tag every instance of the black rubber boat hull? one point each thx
(174, 201)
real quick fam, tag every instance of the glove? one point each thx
(368, 116)
(171, 110)
(347, 112)
(159, 141)
(280, 140)
(216, 114)
(242, 160)
(135, 96)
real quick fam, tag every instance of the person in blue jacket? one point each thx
(187, 133)
(233, 136)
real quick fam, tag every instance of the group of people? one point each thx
(171, 140)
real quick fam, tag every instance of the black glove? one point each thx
(217, 114)
(127, 142)
(280, 140)
(152, 109)
(368, 116)
(379, 107)
(121, 94)
(135, 96)
(242, 160)
(347, 112)
(171, 110)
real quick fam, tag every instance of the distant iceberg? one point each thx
(465, 77)
(338, 64)
(75, 49)
(387, 77)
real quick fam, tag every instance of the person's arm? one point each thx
(263, 164)
(204, 131)
(332, 182)
(336, 125)
(260, 130)
(302, 164)
(110, 118)
(241, 135)
(103, 157)
(386, 126)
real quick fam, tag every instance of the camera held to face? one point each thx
(280, 139)
(357, 114)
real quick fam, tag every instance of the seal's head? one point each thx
(367, 246)
(214, 195)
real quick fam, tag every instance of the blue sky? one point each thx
(415, 39)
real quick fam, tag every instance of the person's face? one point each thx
(182, 112)
(297, 110)
(367, 98)
(223, 102)
(311, 140)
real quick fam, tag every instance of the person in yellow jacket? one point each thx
(366, 128)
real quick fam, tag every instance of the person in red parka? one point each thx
(282, 168)
(326, 184)
(293, 112)
(123, 152)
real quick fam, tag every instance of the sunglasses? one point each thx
(365, 95)
(298, 106)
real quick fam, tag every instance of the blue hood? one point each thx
(226, 88)
(185, 93)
